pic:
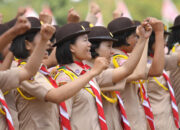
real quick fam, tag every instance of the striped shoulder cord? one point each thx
(143, 94)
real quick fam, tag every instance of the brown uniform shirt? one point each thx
(160, 100)
(82, 106)
(8, 80)
(132, 103)
(111, 110)
(37, 114)
(175, 77)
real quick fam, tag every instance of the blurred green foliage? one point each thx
(139, 9)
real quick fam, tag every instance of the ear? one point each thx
(72, 48)
(28, 45)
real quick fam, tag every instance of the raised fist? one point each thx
(94, 8)
(21, 11)
(47, 32)
(157, 25)
(144, 30)
(100, 64)
(21, 26)
(45, 18)
(73, 16)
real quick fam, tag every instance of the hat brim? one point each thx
(125, 29)
(31, 30)
(167, 33)
(104, 38)
(71, 36)
(173, 27)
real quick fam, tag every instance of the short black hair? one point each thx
(18, 46)
(94, 45)
(122, 38)
(151, 42)
(63, 52)
(173, 38)
(1, 57)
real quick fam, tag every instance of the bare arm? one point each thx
(157, 66)
(140, 70)
(66, 91)
(36, 57)
(7, 61)
(128, 68)
(21, 26)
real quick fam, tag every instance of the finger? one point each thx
(70, 10)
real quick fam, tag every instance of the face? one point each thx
(105, 49)
(31, 45)
(132, 40)
(81, 48)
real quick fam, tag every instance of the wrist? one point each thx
(142, 38)
(92, 73)
(12, 32)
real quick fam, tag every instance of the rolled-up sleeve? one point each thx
(9, 79)
(171, 61)
(38, 88)
(105, 78)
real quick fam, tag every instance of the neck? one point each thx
(76, 59)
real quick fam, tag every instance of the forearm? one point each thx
(7, 61)
(136, 55)
(91, 18)
(140, 70)
(157, 66)
(6, 38)
(34, 61)
(70, 89)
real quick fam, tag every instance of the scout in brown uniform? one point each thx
(158, 89)
(173, 44)
(78, 106)
(34, 112)
(101, 40)
(124, 30)
(12, 78)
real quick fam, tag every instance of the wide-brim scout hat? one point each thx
(86, 24)
(120, 25)
(176, 23)
(35, 24)
(99, 33)
(69, 31)
(136, 22)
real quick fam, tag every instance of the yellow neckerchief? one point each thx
(73, 76)
(174, 47)
(19, 90)
(116, 65)
(161, 85)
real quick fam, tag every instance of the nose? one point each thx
(89, 44)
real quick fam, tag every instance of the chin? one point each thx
(45, 57)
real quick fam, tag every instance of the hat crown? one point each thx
(68, 31)
(35, 22)
(177, 21)
(120, 24)
(99, 31)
